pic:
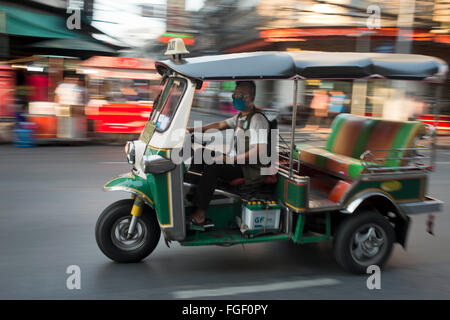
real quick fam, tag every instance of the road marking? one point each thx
(228, 291)
(113, 162)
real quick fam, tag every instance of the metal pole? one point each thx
(294, 122)
(405, 26)
(436, 111)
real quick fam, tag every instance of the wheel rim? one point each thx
(368, 244)
(119, 233)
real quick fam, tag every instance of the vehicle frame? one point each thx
(159, 189)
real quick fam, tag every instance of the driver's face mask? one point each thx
(239, 102)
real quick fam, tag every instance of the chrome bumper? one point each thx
(427, 206)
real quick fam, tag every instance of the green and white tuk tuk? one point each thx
(358, 191)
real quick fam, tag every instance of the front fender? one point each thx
(131, 183)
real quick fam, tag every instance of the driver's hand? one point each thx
(219, 159)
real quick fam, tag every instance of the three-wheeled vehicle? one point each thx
(358, 191)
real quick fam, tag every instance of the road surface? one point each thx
(50, 198)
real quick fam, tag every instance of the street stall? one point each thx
(441, 121)
(120, 96)
(38, 80)
(7, 81)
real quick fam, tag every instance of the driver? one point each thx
(235, 164)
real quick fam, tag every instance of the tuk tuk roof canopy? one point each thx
(308, 65)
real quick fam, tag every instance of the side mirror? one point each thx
(198, 85)
(156, 164)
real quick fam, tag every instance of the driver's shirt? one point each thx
(257, 129)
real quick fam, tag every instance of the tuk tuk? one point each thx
(359, 191)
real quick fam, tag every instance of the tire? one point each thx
(111, 224)
(357, 243)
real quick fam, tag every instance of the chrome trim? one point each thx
(223, 201)
(216, 192)
(336, 207)
(392, 175)
(188, 185)
(134, 220)
(414, 162)
(351, 207)
(226, 194)
(289, 217)
(194, 173)
(290, 220)
(429, 205)
(129, 190)
(293, 125)
(295, 178)
(130, 151)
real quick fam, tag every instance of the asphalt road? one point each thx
(50, 198)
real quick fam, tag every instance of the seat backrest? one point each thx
(352, 135)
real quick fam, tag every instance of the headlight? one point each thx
(130, 151)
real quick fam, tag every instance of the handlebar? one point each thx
(204, 144)
(193, 140)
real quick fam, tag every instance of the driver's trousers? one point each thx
(208, 181)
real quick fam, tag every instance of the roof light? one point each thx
(176, 48)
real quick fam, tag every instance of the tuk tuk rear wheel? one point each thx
(111, 229)
(364, 239)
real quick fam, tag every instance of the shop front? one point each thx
(120, 93)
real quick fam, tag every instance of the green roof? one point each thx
(73, 44)
(24, 22)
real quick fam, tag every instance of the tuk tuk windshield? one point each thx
(165, 107)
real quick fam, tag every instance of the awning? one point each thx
(24, 22)
(73, 45)
(120, 74)
(119, 63)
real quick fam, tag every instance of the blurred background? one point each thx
(101, 54)
(75, 75)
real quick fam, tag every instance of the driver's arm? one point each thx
(250, 154)
(221, 125)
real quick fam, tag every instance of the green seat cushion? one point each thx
(330, 161)
(352, 135)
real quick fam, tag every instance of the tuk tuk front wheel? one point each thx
(112, 228)
(362, 240)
